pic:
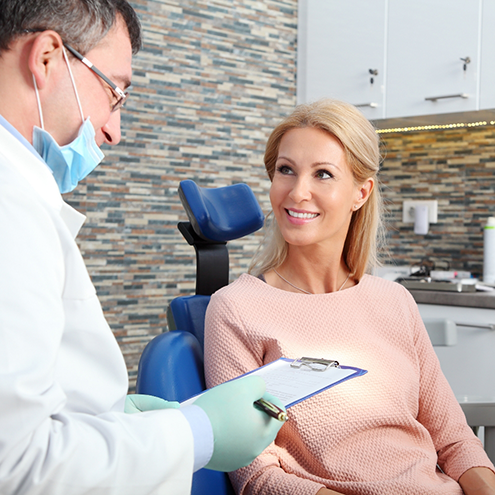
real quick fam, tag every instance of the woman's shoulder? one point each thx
(241, 298)
(382, 287)
(245, 285)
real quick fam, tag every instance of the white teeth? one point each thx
(302, 215)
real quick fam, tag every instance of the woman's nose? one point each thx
(301, 190)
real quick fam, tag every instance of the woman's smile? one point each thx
(300, 216)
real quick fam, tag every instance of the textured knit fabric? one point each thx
(382, 433)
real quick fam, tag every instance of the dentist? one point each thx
(65, 66)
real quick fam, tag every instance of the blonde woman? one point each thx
(396, 430)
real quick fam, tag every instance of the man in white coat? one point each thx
(63, 381)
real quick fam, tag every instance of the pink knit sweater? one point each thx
(382, 433)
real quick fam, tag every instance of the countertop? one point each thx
(479, 299)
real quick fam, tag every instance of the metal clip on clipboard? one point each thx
(315, 364)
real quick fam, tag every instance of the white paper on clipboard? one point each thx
(293, 385)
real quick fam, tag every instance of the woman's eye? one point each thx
(284, 170)
(323, 174)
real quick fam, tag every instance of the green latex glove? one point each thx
(241, 431)
(135, 403)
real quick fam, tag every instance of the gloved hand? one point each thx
(135, 403)
(241, 431)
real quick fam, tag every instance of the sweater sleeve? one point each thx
(230, 352)
(457, 447)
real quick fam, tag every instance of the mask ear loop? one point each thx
(39, 102)
(73, 85)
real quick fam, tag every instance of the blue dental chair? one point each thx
(171, 366)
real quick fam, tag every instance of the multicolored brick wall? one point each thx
(211, 82)
(455, 167)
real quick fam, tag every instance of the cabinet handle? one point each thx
(435, 98)
(372, 105)
(485, 326)
(373, 72)
(466, 61)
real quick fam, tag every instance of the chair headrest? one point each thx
(221, 214)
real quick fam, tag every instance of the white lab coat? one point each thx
(63, 380)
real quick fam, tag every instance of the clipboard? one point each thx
(295, 380)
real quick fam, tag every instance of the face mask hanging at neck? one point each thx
(74, 161)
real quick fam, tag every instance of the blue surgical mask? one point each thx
(74, 161)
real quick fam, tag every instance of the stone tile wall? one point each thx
(455, 167)
(212, 80)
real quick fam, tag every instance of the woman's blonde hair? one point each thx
(361, 145)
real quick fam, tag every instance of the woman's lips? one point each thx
(299, 216)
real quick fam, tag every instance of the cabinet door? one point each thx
(426, 41)
(487, 80)
(469, 366)
(338, 43)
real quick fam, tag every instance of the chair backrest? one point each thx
(188, 313)
(171, 366)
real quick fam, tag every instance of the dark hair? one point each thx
(81, 23)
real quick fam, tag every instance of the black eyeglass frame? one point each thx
(119, 93)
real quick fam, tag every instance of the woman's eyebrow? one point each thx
(323, 164)
(313, 165)
(286, 158)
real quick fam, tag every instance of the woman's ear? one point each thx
(363, 193)
(45, 56)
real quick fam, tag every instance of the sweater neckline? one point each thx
(268, 287)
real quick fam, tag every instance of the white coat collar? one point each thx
(40, 178)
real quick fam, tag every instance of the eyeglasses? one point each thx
(120, 96)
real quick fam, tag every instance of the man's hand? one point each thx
(240, 430)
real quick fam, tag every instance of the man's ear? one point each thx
(45, 56)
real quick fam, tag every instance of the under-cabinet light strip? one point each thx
(434, 127)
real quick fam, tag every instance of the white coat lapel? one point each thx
(40, 178)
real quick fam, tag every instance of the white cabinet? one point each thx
(487, 77)
(469, 366)
(426, 41)
(339, 43)
(416, 48)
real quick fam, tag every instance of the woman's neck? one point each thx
(311, 271)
